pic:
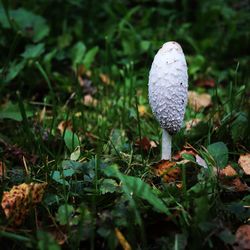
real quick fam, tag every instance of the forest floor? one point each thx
(79, 147)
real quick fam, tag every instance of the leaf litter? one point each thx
(244, 163)
(20, 199)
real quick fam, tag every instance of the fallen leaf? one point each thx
(242, 241)
(178, 155)
(192, 123)
(42, 114)
(88, 100)
(58, 235)
(2, 170)
(153, 144)
(81, 70)
(142, 110)
(105, 79)
(145, 144)
(179, 185)
(238, 185)
(244, 162)
(189, 151)
(168, 170)
(233, 182)
(204, 82)
(122, 240)
(228, 171)
(63, 125)
(198, 101)
(20, 199)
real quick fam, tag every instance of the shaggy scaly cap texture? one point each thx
(168, 86)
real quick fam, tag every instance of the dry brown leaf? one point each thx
(190, 151)
(179, 154)
(88, 100)
(63, 125)
(145, 144)
(168, 170)
(199, 101)
(142, 110)
(122, 240)
(228, 171)
(192, 123)
(203, 82)
(2, 170)
(59, 236)
(234, 181)
(20, 199)
(81, 70)
(238, 185)
(244, 162)
(242, 238)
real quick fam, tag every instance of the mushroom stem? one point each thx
(166, 145)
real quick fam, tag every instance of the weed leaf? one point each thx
(11, 111)
(134, 186)
(219, 152)
(71, 140)
(90, 56)
(33, 51)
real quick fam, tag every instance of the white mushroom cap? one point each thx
(168, 86)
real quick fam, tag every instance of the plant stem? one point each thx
(166, 145)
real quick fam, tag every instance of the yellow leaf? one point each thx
(122, 240)
(105, 79)
(78, 114)
(20, 199)
(142, 110)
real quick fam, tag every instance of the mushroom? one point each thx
(168, 91)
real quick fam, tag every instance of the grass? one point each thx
(74, 114)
